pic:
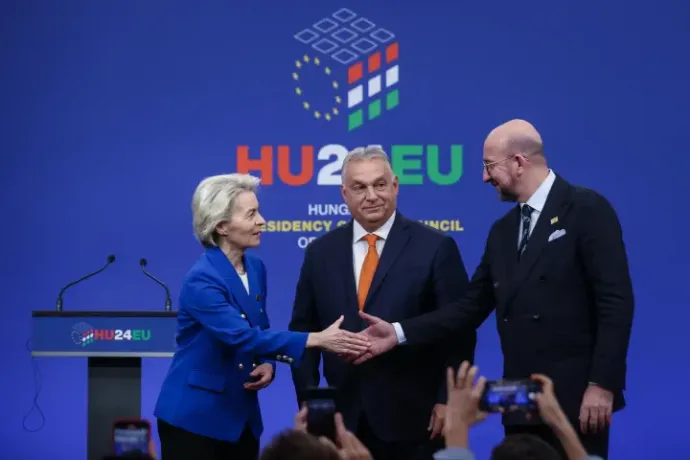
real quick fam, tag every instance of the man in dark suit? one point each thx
(555, 270)
(395, 268)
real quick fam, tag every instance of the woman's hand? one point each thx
(338, 340)
(264, 372)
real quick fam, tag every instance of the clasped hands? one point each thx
(357, 347)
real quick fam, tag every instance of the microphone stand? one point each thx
(58, 303)
(168, 302)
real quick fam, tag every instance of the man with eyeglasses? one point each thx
(556, 272)
(393, 267)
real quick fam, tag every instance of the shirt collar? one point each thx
(538, 199)
(358, 231)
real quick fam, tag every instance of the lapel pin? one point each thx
(554, 220)
(258, 297)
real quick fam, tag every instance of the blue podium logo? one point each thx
(82, 334)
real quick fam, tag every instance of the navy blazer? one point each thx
(222, 334)
(420, 270)
(564, 309)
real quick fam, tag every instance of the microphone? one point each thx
(58, 304)
(168, 303)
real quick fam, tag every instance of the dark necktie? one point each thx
(526, 214)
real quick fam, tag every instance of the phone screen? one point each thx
(131, 437)
(321, 408)
(510, 395)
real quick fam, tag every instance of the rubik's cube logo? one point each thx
(82, 334)
(358, 60)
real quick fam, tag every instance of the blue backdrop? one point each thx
(113, 111)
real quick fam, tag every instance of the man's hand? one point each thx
(381, 336)
(437, 420)
(596, 409)
(265, 374)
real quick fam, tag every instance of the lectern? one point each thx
(114, 342)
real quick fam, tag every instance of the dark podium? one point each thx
(114, 343)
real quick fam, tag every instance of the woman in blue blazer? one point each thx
(208, 408)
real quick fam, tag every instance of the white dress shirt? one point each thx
(360, 247)
(536, 202)
(245, 281)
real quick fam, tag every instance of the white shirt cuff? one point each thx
(399, 333)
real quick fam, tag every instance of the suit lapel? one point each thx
(396, 242)
(347, 272)
(557, 205)
(233, 281)
(509, 241)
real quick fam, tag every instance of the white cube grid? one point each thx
(349, 41)
(392, 76)
(374, 86)
(355, 96)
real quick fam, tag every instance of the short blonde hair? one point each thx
(214, 201)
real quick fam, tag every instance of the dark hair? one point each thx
(297, 445)
(524, 447)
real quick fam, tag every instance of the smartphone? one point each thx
(131, 435)
(510, 395)
(321, 409)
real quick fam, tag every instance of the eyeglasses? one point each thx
(490, 165)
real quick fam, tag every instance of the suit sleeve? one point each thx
(603, 255)
(205, 300)
(457, 316)
(450, 285)
(305, 319)
(264, 282)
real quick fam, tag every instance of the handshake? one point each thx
(356, 347)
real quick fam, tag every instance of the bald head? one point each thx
(513, 137)
(514, 160)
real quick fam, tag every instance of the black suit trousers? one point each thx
(179, 444)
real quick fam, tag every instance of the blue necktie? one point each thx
(526, 214)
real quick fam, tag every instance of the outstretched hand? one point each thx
(337, 340)
(381, 336)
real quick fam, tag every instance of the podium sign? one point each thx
(114, 342)
(107, 334)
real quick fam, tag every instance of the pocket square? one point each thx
(557, 234)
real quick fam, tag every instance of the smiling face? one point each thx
(370, 190)
(500, 171)
(514, 161)
(243, 230)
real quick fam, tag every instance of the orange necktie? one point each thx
(368, 269)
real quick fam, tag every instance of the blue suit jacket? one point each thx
(223, 333)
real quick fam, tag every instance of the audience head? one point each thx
(370, 189)
(298, 445)
(524, 447)
(226, 212)
(514, 160)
